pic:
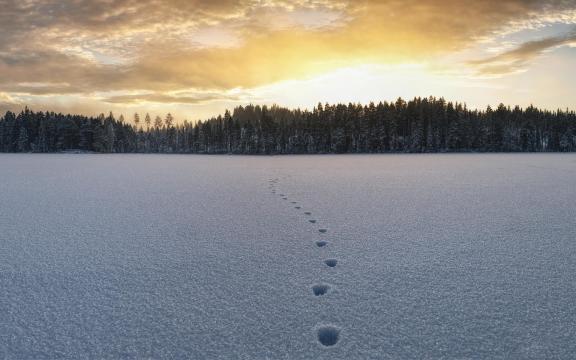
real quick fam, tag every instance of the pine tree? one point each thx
(110, 137)
(169, 120)
(148, 121)
(158, 122)
(23, 141)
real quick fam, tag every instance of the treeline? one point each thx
(420, 125)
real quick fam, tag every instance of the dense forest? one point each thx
(419, 125)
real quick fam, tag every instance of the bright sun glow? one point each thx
(362, 83)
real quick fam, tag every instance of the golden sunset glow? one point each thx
(197, 58)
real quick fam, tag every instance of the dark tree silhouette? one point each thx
(419, 125)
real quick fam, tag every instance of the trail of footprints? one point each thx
(327, 334)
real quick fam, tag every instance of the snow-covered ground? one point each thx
(214, 257)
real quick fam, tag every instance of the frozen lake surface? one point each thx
(463, 256)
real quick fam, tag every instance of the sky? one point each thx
(196, 58)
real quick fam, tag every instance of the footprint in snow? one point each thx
(331, 262)
(328, 335)
(320, 289)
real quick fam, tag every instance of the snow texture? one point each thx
(154, 256)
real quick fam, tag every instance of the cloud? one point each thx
(8, 102)
(196, 98)
(519, 58)
(148, 47)
(6, 98)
